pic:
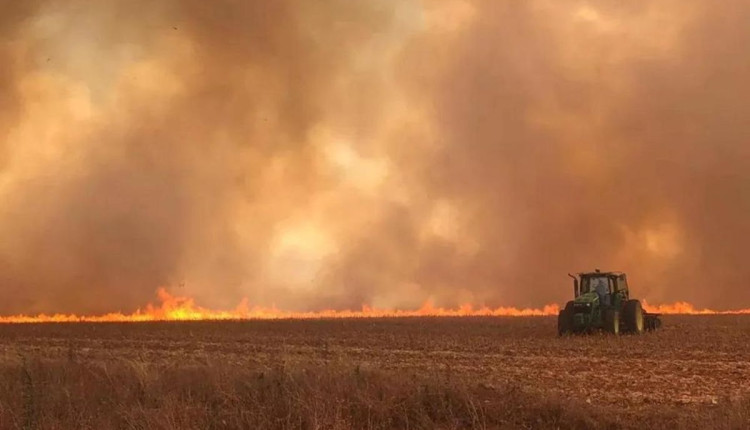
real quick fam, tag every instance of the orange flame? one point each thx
(685, 308)
(174, 308)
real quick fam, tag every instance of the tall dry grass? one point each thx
(66, 394)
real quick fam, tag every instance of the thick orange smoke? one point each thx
(324, 154)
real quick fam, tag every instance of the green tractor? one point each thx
(602, 302)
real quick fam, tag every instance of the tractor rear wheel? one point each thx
(612, 321)
(565, 320)
(633, 317)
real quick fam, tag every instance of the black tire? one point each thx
(565, 320)
(633, 317)
(612, 321)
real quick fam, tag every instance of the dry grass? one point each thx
(132, 395)
(462, 373)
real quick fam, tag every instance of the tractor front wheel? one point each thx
(612, 321)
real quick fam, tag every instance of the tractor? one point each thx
(602, 302)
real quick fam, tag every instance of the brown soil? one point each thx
(374, 373)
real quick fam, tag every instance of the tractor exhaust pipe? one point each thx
(575, 285)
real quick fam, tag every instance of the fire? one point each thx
(175, 308)
(684, 308)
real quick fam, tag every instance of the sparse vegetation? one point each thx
(379, 374)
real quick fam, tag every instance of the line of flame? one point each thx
(174, 308)
(685, 308)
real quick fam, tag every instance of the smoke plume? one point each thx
(330, 154)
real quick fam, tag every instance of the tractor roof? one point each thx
(597, 272)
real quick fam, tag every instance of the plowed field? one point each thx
(692, 360)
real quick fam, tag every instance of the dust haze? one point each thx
(330, 154)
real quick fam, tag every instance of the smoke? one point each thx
(374, 152)
(598, 135)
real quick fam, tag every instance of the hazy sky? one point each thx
(335, 153)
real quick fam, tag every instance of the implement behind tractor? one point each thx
(602, 302)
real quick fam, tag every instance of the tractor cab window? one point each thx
(596, 284)
(622, 283)
(602, 286)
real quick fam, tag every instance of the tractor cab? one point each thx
(611, 288)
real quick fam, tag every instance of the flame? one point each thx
(685, 308)
(175, 308)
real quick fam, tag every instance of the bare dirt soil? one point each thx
(692, 373)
